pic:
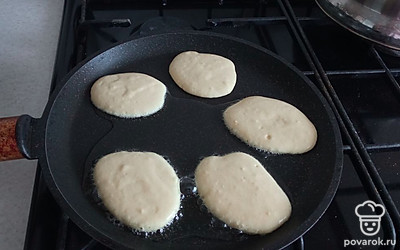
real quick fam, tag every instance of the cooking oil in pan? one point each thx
(192, 220)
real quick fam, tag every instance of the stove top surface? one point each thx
(359, 82)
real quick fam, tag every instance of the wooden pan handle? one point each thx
(8, 142)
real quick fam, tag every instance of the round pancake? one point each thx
(203, 75)
(271, 125)
(238, 190)
(128, 95)
(141, 189)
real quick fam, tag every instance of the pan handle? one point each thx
(15, 137)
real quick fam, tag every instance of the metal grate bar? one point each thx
(255, 20)
(62, 232)
(361, 149)
(356, 72)
(106, 23)
(84, 23)
(261, 31)
(377, 148)
(83, 11)
(244, 20)
(93, 244)
(365, 167)
(308, 73)
(359, 72)
(387, 71)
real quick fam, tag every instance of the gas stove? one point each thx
(360, 83)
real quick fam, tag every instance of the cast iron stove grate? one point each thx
(360, 83)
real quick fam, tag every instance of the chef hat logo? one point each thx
(370, 209)
(370, 215)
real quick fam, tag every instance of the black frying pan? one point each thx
(73, 134)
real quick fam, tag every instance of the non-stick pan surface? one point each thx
(187, 129)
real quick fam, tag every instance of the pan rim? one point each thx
(99, 235)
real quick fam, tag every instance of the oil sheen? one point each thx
(239, 191)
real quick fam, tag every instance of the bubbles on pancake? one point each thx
(176, 228)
